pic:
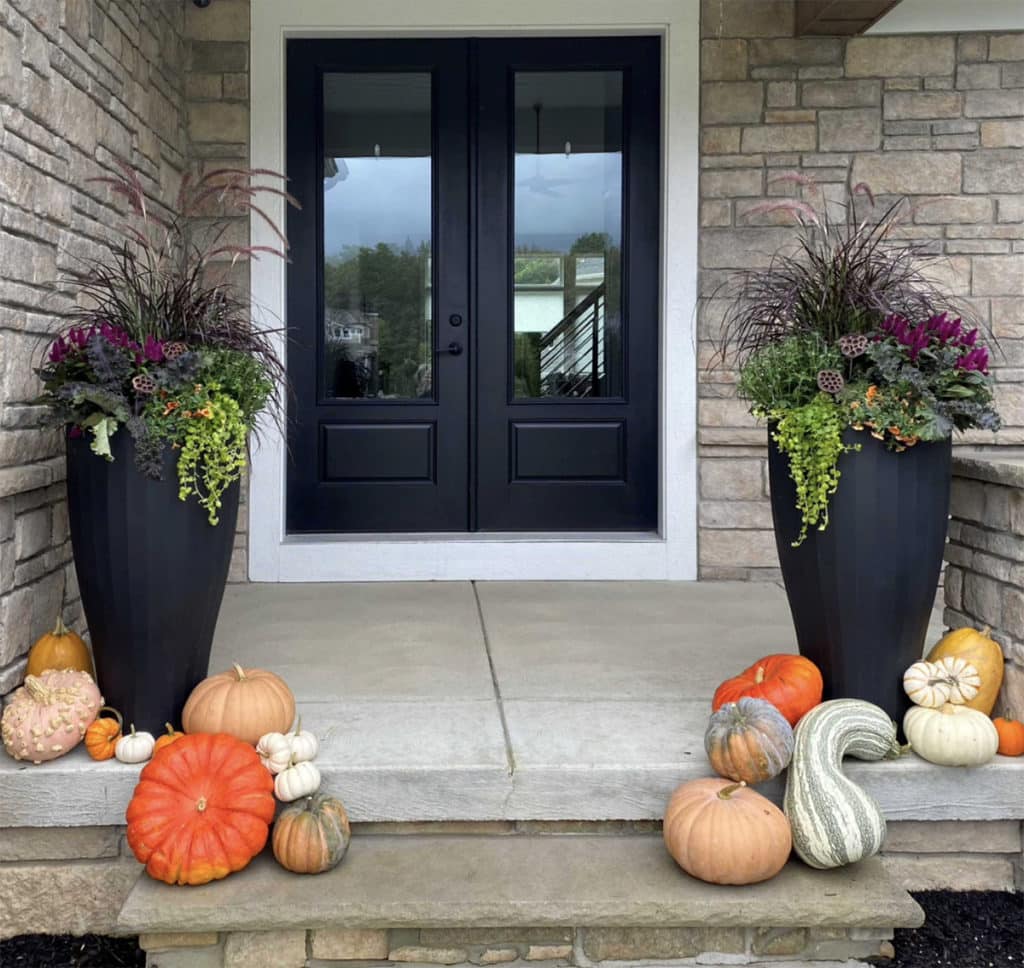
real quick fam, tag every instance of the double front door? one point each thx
(472, 299)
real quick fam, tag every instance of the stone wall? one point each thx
(938, 118)
(985, 560)
(83, 84)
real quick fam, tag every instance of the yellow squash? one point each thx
(981, 652)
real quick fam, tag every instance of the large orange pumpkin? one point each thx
(59, 649)
(245, 703)
(201, 809)
(791, 683)
(726, 833)
(1011, 736)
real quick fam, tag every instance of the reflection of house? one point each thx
(351, 344)
(345, 326)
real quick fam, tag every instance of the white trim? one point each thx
(951, 16)
(672, 554)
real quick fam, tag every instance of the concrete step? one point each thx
(459, 881)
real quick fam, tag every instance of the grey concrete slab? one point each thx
(629, 640)
(578, 880)
(402, 640)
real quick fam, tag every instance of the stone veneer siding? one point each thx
(939, 118)
(985, 561)
(158, 84)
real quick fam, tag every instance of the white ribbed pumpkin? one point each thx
(951, 735)
(834, 821)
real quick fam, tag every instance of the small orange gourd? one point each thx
(103, 733)
(1011, 736)
(165, 739)
(59, 649)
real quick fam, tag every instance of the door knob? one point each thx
(454, 349)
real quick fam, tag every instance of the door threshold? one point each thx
(474, 537)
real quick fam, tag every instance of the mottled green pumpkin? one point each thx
(748, 740)
(311, 835)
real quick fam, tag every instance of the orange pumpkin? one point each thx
(245, 703)
(1011, 736)
(59, 649)
(166, 738)
(726, 833)
(201, 810)
(103, 733)
(791, 683)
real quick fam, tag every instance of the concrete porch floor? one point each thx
(508, 701)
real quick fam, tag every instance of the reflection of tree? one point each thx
(390, 284)
(591, 243)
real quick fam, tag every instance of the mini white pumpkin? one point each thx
(963, 678)
(951, 735)
(299, 780)
(275, 751)
(135, 747)
(305, 745)
(925, 685)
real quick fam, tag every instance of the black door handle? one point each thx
(454, 349)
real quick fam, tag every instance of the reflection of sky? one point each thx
(558, 199)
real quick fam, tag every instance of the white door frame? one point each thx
(671, 553)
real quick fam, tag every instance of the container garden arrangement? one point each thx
(863, 371)
(159, 376)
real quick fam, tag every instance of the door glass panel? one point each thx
(378, 308)
(567, 292)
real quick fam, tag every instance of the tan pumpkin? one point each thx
(59, 649)
(312, 835)
(244, 703)
(48, 716)
(748, 740)
(981, 652)
(726, 833)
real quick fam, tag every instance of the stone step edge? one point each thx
(570, 880)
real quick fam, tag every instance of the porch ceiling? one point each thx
(842, 18)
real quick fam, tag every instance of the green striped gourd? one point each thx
(834, 821)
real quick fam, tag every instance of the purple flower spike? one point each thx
(970, 338)
(153, 350)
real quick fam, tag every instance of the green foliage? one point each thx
(537, 270)
(811, 435)
(783, 376)
(241, 377)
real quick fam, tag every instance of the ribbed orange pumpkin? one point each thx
(201, 810)
(165, 739)
(726, 833)
(59, 649)
(1011, 736)
(245, 703)
(103, 733)
(791, 683)
(311, 835)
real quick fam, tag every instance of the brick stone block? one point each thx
(351, 944)
(1002, 134)
(1010, 702)
(32, 533)
(180, 939)
(977, 76)
(1006, 47)
(206, 957)
(498, 956)
(841, 94)
(419, 954)
(802, 51)
(549, 952)
(731, 102)
(58, 843)
(958, 209)
(631, 944)
(910, 173)
(853, 129)
(731, 184)
(908, 105)
(778, 941)
(903, 56)
(725, 549)
(743, 248)
(998, 275)
(780, 137)
(268, 949)
(463, 937)
(983, 598)
(780, 94)
(720, 140)
(994, 104)
(723, 60)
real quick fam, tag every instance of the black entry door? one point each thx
(473, 293)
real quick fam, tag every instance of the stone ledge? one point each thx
(412, 881)
(1002, 466)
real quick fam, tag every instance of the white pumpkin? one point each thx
(925, 685)
(963, 678)
(951, 735)
(275, 751)
(135, 747)
(299, 780)
(305, 745)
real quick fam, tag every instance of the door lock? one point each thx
(454, 348)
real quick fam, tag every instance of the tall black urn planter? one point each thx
(152, 571)
(861, 592)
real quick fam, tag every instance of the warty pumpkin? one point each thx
(59, 649)
(311, 835)
(748, 740)
(981, 652)
(791, 683)
(201, 810)
(48, 716)
(834, 821)
(1011, 736)
(103, 733)
(725, 833)
(244, 703)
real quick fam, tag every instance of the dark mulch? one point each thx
(973, 929)
(64, 951)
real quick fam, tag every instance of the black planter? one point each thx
(152, 572)
(862, 591)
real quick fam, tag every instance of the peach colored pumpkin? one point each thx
(726, 833)
(244, 703)
(48, 716)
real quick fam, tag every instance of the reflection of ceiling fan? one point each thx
(538, 183)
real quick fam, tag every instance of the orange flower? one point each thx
(170, 407)
(872, 392)
(205, 412)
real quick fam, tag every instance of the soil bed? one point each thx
(65, 951)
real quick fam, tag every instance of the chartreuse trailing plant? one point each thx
(845, 331)
(163, 345)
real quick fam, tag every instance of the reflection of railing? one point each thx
(572, 352)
